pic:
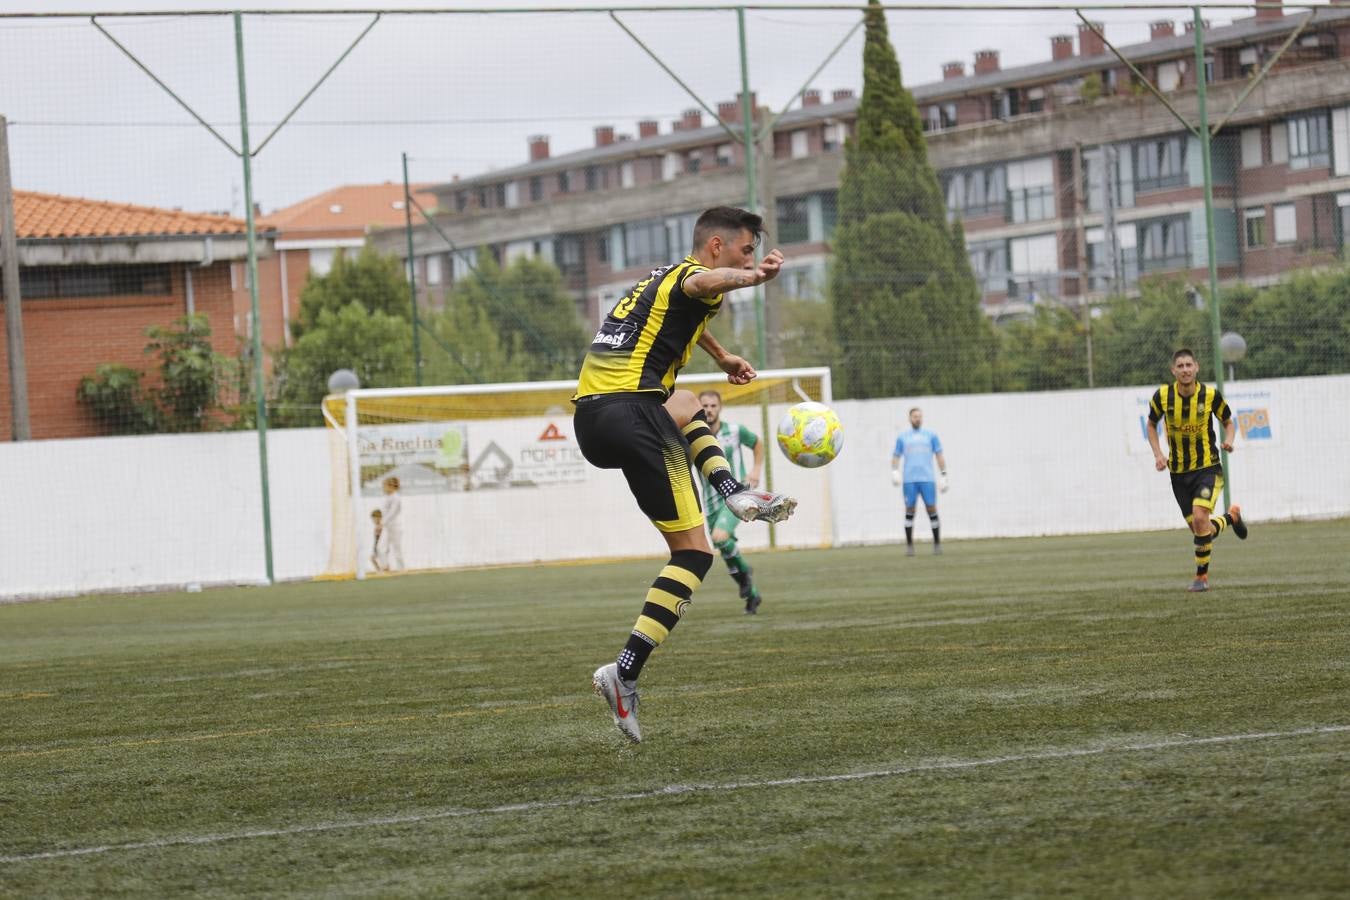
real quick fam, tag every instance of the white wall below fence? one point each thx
(125, 513)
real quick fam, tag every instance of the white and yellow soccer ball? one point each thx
(810, 434)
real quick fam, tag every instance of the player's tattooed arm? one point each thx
(711, 282)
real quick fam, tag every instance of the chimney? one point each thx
(1088, 42)
(986, 62)
(841, 94)
(729, 111)
(604, 135)
(1061, 47)
(811, 97)
(538, 147)
(1190, 25)
(648, 128)
(1270, 9)
(691, 119)
(953, 70)
(1163, 28)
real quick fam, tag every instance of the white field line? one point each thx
(712, 788)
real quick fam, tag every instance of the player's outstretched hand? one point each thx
(942, 483)
(739, 370)
(770, 265)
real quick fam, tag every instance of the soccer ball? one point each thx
(810, 434)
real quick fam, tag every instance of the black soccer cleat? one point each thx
(1235, 522)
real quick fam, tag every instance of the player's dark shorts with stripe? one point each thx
(634, 433)
(1199, 488)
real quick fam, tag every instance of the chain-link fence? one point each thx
(458, 198)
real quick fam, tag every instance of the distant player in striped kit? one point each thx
(918, 448)
(722, 521)
(1188, 407)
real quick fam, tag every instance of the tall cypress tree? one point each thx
(906, 305)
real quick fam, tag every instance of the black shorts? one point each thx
(634, 433)
(1199, 488)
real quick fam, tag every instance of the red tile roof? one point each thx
(54, 216)
(353, 207)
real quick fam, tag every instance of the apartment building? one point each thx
(1071, 180)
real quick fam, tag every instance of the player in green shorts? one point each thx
(721, 520)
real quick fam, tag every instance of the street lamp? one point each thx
(342, 381)
(1232, 347)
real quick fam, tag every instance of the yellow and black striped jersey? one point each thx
(649, 334)
(1190, 429)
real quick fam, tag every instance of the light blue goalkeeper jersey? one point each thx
(917, 447)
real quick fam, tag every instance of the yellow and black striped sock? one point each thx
(669, 596)
(1203, 548)
(1219, 523)
(708, 456)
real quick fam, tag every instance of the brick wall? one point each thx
(66, 339)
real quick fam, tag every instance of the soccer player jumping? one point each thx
(1187, 406)
(629, 417)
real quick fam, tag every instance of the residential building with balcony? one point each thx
(1071, 180)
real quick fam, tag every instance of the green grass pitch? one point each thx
(1016, 718)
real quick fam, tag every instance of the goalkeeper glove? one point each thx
(942, 482)
(895, 476)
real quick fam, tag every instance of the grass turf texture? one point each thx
(1040, 705)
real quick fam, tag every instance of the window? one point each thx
(508, 194)
(1106, 167)
(1252, 156)
(564, 182)
(835, 135)
(693, 161)
(1036, 100)
(1169, 76)
(943, 115)
(1247, 61)
(1164, 244)
(481, 197)
(645, 243)
(977, 192)
(1160, 164)
(1106, 273)
(800, 143)
(536, 189)
(1004, 104)
(1035, 266)
(461, 201)
(56, 282)
(1031, 190)
(726, 155)
(1209, 70)
(829, 212)
(793, 221)
(671, 164)
(989, 262)
(592, 175)
(571, 253)
(1255, 224)
(627, 174)
(1309, 141)
(433, 270)
(1286, 224)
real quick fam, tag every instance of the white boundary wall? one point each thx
(126, 513)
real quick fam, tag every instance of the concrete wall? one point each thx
(123, 513)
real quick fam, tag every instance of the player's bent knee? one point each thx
(695, 561)
(682, 407)
(720, 537)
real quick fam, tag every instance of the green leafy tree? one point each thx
(117, 401)
(532, 312)
(906, 305)
(376, 282)
(377, 346)
(193, 380)
(1300, 326)
(1043, 353)
(1134, 339)
(462, 345)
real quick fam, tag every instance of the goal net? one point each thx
(473, 475)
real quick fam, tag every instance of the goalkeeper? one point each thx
(721, 520)
(918, 447)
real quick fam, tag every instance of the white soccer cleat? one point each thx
(623, 701)
(751, 505)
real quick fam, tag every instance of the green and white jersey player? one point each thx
(721, 521)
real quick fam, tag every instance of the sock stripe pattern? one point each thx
(708, 456)
(1203, 547)
(670, 595)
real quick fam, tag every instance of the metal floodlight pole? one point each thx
(1207, 169)
(258, 380)
(751, 171)
(412, 273)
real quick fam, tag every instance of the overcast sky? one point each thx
(459, 93)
